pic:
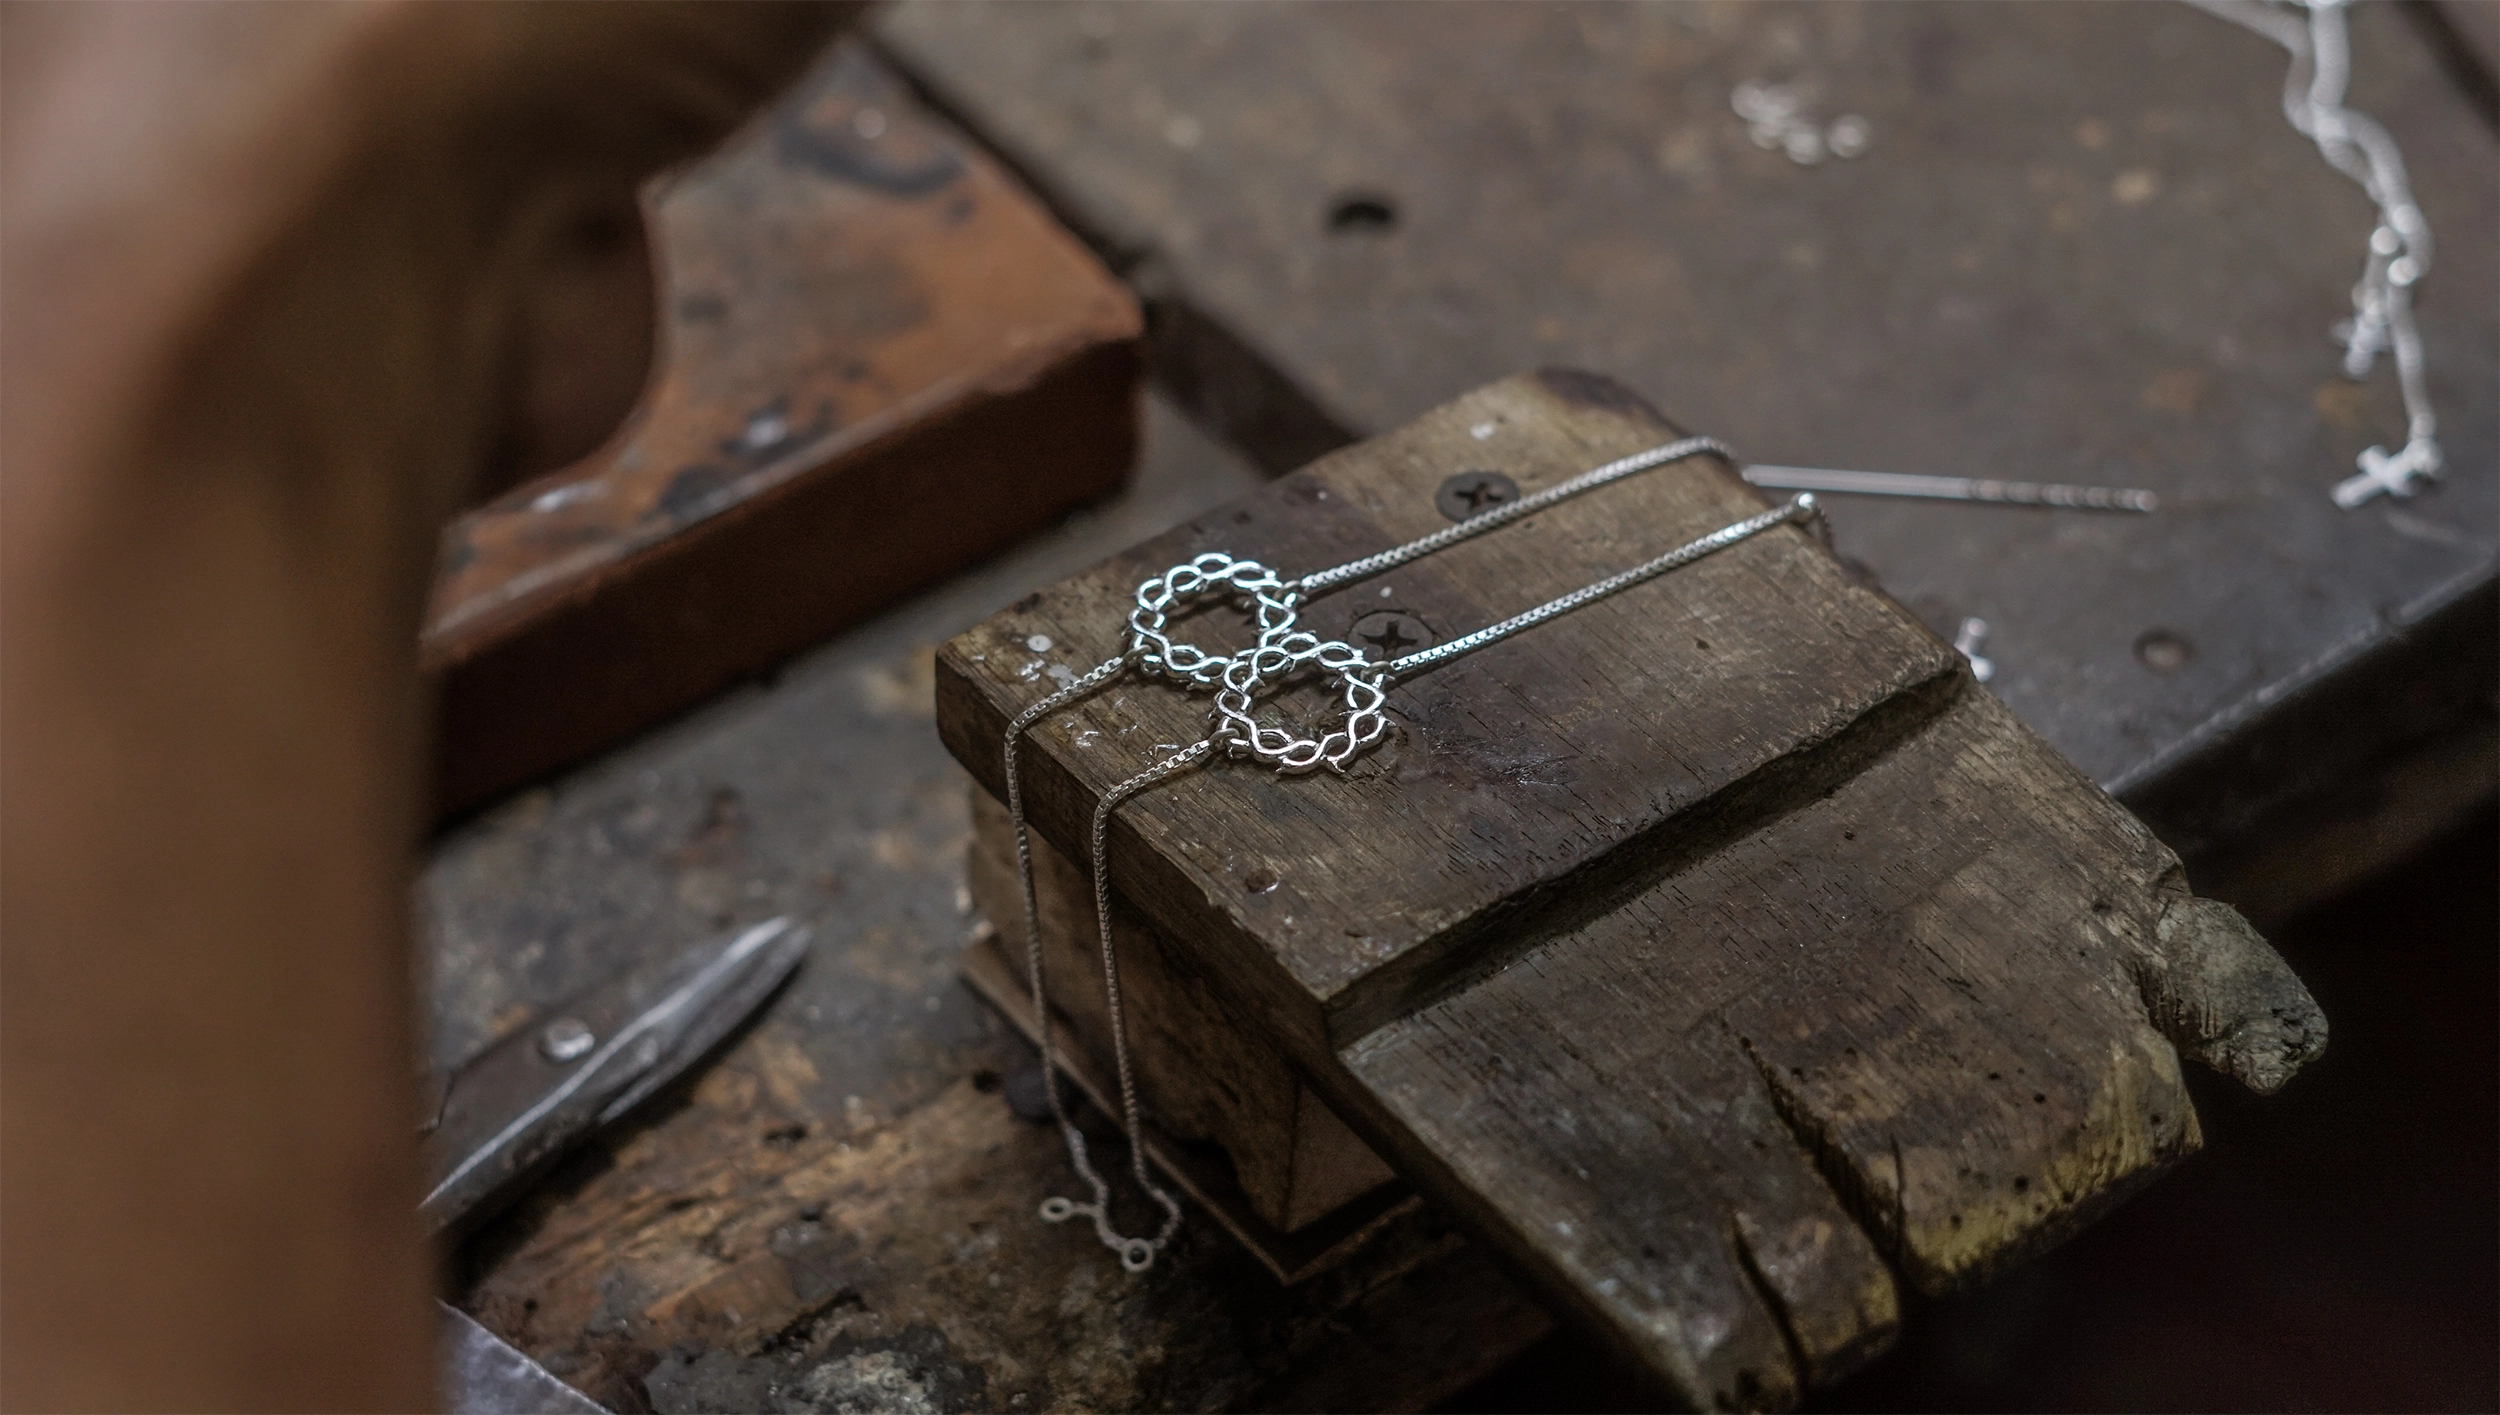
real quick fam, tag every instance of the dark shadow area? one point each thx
(2335, 1247)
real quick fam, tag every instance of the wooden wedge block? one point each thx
(882, 361)
(1721, 952)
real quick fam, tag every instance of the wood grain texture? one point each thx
(2082, 245)
(1914, 1002)
(743, 1261)
(882, 362)
(1724, 955)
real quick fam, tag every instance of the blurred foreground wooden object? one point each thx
(882, 362)
(1721, 953)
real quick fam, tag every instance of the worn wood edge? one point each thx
(1990, 1232)
(2208, 989)
(2225, 998)
(856, 453)
(1938, 1261)
(1292, 1257)
(2199, 980)
(694, 627)
(2209, 982)
(1798, 1351)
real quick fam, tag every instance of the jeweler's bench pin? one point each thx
(1282, 651)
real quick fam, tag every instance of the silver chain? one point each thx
(1133, 1256)
(1799, 507)
(1503, 515)
(1136, 1254)
(1282, 651)
(2399, 252)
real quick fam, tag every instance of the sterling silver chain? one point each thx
(1283, 652)
(2399, 252)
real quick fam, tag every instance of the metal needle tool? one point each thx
(2007, 493)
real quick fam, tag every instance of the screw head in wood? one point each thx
(1387, 633)
(1474, 493)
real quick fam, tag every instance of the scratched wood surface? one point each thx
(1718, 951)
(881, 361)
(2081, 245)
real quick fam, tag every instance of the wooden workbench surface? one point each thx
(2082, 244)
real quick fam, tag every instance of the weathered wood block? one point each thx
(1721, 952)
(882, 361)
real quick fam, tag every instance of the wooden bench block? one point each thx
(1720, 951)
(883, 361)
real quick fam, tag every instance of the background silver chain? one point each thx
(2399, 252)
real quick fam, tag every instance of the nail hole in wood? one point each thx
(1362, 214)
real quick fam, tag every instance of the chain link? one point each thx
(1590, 480)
